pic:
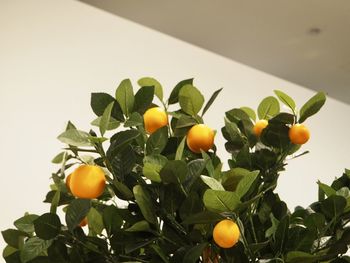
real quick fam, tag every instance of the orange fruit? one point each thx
(155, 118)
(259, 126)
(68, 181)
(226, 233)
(200, 137)
(87, 181)
(299, 134)
(83, 222)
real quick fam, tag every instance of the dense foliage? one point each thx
(162, 201)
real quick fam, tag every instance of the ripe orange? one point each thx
(87, 181)
(226, 233)
(155, 118)
(68, 181)
(259, 126)
(299, 134)
(83, 222)
(200, 137)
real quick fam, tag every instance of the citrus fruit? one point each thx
(155, 118)
(200, 137)
(68, 181)
(83, 222)
(87, 181)
(226, 233)
(299, 134)
(259, 126)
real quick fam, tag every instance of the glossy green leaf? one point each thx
(134, 120)
(174, 171)
(112, 220)
(95, 221)
(180, 149)
(25, 223)
(141, 226)
(250, 112)
(191, 99)
(76, 212)
(268, 108)
(245, 183)
(333, 206)
(205, 217)
(33, 248)
(145, 203)
(125, 96)
(105, 118)
(285, 99)
(75, 138)
(326, 189)
(210, 101)
(312, 106)
(14, 237)
(58, 158)
(153, 164)
(47, 226)
(151, 82)
(174, 95)
(220, 201)
(193, 254)
(212, 183)
(157, 141)
(143, 99)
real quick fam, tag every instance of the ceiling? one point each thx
(306, 42)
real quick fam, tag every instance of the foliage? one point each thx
(162, 201)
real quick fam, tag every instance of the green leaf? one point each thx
(268, 108)
(312, 106)
(151, 82)
(99, 102)
(193, 254)
(25, 223)
(123, 190)
(236, 115)
(157, 141)
(112, 220)
(76, 212)
(125, 96)
(8, 251)
(75, 138)
(281, 235)
(212, 183)
(135, 119)
(174, 171)
(185, 121)
(220, 201)
(174, 96)
(210, 101)
(153, 164)
(95, 221)
(14, 237)
(120, 141)
(250, 112)
(145, 203)
(143, 99)
(105, 119)
(315, 221)
(333, 206)
(141, 226)
(285, 99)
(190, 99)
(180, 149)
(58, 158)
(160, 252)
(326, 189)
(205, 217)
(47, 226)
(300, 256)
(246, 182)
(112, 125)
(33, 248)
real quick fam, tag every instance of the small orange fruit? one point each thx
(83, 222)
(200, 137)
(259, 126)
(155, 118)
(299, 134)
(68, 181)
(226, 233)
(87, 181)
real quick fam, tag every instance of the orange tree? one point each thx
(156, 190)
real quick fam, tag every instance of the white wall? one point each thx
(53, 54)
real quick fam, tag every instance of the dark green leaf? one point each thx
(47, 226)
(205, 217)
(105, 119)
(112, 220)
(246, 182)
(125, 96)
(220, 201)
(145, 203)
(151, 82)
(141, 226)
(285, 99)
(123, 191)
(143, 99)
(299, 256)
(185, 121)
(236, 115)
(174, 171)
(326, 189)
(190, 99)
(268, 108)
(193, 254)
(33, 248)
(120, 140)
(95, 221)
(76, 212)
(174, 96)
(312, 106)
(135, 119)
(281, 235)
(157, 141)
(25, 223)
(333, 206)
(180, 149)
(14, 237)
(210, 101)
(250, 112)
(152, 166)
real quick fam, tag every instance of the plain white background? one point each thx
(53, 54)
